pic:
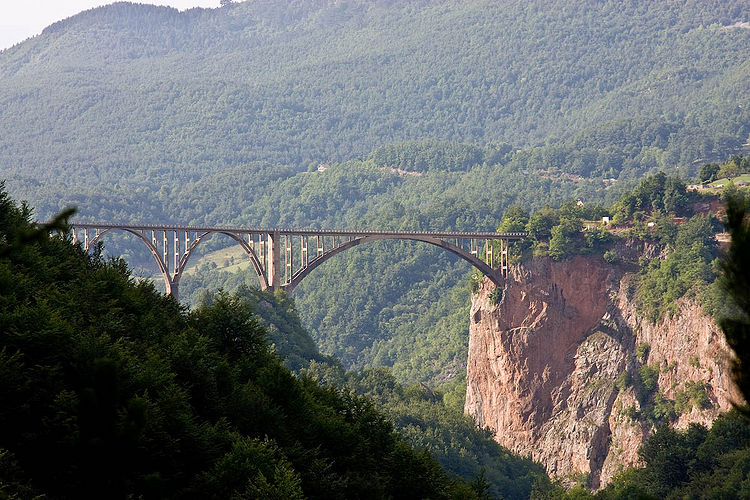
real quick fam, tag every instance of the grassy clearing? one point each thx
(232, 258)
(725, 181)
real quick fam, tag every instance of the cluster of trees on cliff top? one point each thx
(659, 209)
(110, 388)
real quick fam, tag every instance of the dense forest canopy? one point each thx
(109, 387)
(147, 96)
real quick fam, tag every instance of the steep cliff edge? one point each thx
(556, 367)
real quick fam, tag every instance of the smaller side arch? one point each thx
(171, 283)
(170, 286)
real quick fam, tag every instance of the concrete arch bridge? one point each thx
(282, 258)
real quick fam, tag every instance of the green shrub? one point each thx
(687, 271)
(474, 281)
(496, 295)
(663, 409)
(671, 366)
(642, 351)
(694, 395)
(623, 381)
(631, 413)
(649, 376)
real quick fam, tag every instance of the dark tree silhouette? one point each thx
(736, 282)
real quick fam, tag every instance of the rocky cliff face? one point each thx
(555, 367)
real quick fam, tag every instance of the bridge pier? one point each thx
(173, 288)
(274, 273)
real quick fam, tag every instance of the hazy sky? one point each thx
(21, 19)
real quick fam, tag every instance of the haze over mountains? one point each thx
(145, 95)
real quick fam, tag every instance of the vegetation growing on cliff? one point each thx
(697, 462)
(659, 209)
(687, 271)
(694, 463)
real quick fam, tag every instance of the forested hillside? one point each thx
(110, 388)
(432, 115)
(147, 95)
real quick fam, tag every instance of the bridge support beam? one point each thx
(274, 272)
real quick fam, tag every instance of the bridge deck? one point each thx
(305, 231)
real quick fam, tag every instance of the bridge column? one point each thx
(504, 258)
(274, 273)
(321, 246)
(173, 286)
(176, 268)
(303, 250)
(289, 258)
(263, 255)
(165, 251)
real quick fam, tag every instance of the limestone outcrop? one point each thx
(555, 359)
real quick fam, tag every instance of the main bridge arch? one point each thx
(172, 246)
(494, 274)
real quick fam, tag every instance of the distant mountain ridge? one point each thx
(140, 93)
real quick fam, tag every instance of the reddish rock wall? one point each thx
(544, 359)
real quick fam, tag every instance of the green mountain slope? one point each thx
(145, 95)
